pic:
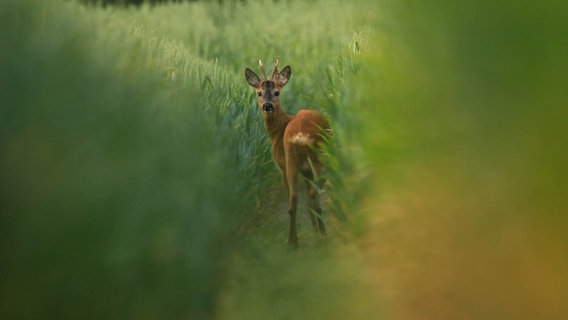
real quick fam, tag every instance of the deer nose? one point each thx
(267, 107)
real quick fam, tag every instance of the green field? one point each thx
(136, 180)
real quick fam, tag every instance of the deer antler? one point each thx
(262, 69)
(275, 70)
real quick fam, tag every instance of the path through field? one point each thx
(326, 278)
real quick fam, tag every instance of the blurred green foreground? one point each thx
(136, 180)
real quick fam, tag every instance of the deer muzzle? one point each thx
(267, 107)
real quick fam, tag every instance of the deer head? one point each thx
(268, 90)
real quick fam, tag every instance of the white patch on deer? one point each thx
(302, 138)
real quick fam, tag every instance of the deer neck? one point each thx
(275, 123)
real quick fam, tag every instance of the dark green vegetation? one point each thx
(136, 179)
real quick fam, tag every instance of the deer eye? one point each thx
(260, 93)
(276, 93)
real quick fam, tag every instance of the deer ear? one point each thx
(252, 78)
(284, 76)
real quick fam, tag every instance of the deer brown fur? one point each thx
(295, 141)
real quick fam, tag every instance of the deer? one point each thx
(296, 143)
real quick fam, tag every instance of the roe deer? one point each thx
(295, 141)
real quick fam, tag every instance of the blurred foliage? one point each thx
(131, 2)
(122, 186)
(148, 2)
(464, 120)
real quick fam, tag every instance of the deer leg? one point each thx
(291, 176)
(315, 209)
(311, 205)
(284, 177)
(321, 225)
(292, 206)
